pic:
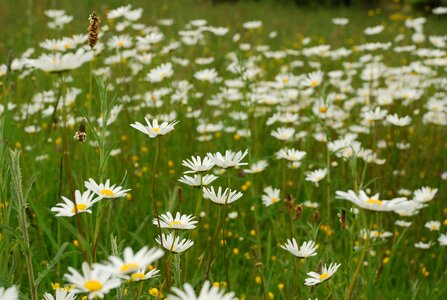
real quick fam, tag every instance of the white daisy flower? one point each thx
(227, 197)
(160, 73)
(433, 225)
(290, 154)
(207, 292)
(198, 180)
(316, 175)
(105, 190)
(95, 282)
(154, 129)
(307, 249)
(179, 222)
(283, 133)
(196, 164)
(229, 160)
(422, 245)
(442, 239)
(313, 79)
(424, 194)
(61, 294)
(10, 293)
(326, 273)
(373, 202)
(271, 196)
(140, 275)
(83, 202)
(173, 243)
(257, 167)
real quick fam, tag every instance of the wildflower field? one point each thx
(184, 150)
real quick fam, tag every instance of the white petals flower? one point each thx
(153, 129)
(160, 73)
(227, 197)
(95, 282)
(131, 262)
(105, 190)
(61, 294)
(209, 75)
(139, 275)
(207, 292)
(316, 175)
(340, 21)
(196, 164)
(373, 202)
(283, 133)
(179, 222)
(442, 239)
(433, 225)
(290, 154)
(257, 167)
(56, 62)
(198, 180)
(373, 30)
(271, 196)
(326, 273)
(424, 194)
(83, 202)
(173, 243)
(9, 293)
(307, 249)
(313, 79)
(229, 160)
(397, 121)
(422, 245)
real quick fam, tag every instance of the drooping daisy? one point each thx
(173, 243)
(105, 190)
(307, 249)
(131, 262)
(227, 197)
(10, 293)
(154, 129)
(433, 225)
(271, 196)
(95, 282)
(61, 294)
(229, 160)
(326, 274)
(198, 180)
(373, 202)
(83, 202)
(207, 292)
(316, 176)
(179, 222)
(257, 167)
(196, 164)
(140, 275)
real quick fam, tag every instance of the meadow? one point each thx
(184, 150)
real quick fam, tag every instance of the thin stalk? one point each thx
(213, 241)
(224, 233)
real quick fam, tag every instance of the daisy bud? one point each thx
(93, 29)
(298, 210)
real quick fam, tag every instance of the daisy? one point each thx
(154, 129)
(209, 75)
(9, 293)
(290, 154)
(83, 202)
(271, 196)
(397, 121)
(227, 197)
(61, 294)
(424, 194)
(316, 175)
(313, 79)
(229, 160)
(207, 292)
(179, 222)
(196, 164)
(326, 273)
(433, 225)
(422, 245)
(442, 239)
(402, 223)
(307, 249)
(105, 191)
(140, 275)
(373, 202)
(198, 180)
(252, 24)
(373, 30)
(257, 167)
(283, 134)
(93, 281)
(340, 21)
(120, 42)
(57, 63)
(160, 73)
(173, 243)
(131, 262)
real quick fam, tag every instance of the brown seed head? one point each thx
(93, 29)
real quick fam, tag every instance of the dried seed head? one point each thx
(289, 202)
(93, 29)
(81, 134)
(342, 219)
(316, 216)
(298, 210)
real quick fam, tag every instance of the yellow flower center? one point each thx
(314, 83)
(120, 43)
(79, 207)
(67, 46)
(434, 227)
(323, 109)
(156, 129)
(175, 223)
(324, 276)
(93, 285)
(374, 201)
(107, 192)
(130, 266)
(137, 276)
(274, 200)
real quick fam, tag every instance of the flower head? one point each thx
(81, 204)
(307, 249)
(106, 190)
(326, 274)
(173, 243)
(153, 129)
(179, 222)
